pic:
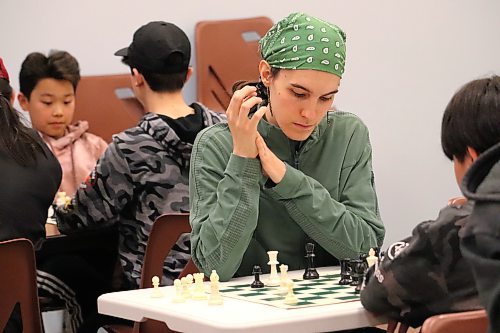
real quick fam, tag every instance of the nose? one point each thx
(308, 110)
(57, 111)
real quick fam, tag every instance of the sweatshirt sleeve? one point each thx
(345, 227)
(99, 200)
(224, 191)
(412, 280)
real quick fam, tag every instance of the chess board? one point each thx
(322, 291)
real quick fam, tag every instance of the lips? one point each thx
(303, 127)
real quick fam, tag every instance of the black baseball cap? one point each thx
(158, 47)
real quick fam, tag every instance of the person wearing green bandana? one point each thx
(279, 176)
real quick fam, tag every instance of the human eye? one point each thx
(68, 102)
(298, 94)
(326, 98)
(48, 103)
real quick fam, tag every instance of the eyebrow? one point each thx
(52, 95)
(295, 85)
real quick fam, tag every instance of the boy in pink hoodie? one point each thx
(48, 85)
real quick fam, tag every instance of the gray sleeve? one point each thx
(100, 199)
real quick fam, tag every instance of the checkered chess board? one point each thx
(322, 291)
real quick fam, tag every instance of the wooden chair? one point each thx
(226, 52)
(164, 234)
(108, 103)
(460, 322)
(18, 284)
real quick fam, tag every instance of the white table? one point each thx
(235, 315)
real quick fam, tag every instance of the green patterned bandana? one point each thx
(300, 41)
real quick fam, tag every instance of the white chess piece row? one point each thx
(184, 290)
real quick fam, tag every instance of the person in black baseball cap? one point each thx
(144, 173)
(158, 47)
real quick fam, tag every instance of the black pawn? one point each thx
(345, 277)
(257, 283)
(310, 272)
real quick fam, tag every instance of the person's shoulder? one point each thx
(345, 119)
(210, 116)
(217, 134)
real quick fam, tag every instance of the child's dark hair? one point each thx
(472, 118)
(59, 65)
(159, 82)
(16, 140)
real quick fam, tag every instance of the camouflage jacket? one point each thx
(480, 239)
(424, 274)
(143, 173)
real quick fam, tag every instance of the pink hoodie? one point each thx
(77, 152)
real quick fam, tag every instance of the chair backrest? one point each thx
(18, 284)
(226, 52)
(164, 234)
(108, 103)
(460, 322)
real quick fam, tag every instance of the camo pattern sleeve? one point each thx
(143, 174)
(424, 274)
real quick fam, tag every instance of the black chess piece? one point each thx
(345, 277)
(357, 273)
(256, 272)
(310, 273)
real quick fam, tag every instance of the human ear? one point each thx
(137, 78)
(23, 101)
(472, 153)
(265, 72)
(188, 74)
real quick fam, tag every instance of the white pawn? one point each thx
(274, 279)
(156, 293)
(283, 280)
(290, 298)
(371, 259)
(178, 298)
(199, 290)
(215, 297)
(186, 293)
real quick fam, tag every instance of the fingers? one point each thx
(403, 328)
(391, 326)
(261, 146)
(257, 116)
(246, 106)
(237, 99)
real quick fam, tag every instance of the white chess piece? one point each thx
(290, 298)
(60, 198)
(274, 279)
(215, 297)
(199, 290)
(186, 293)
(371, 259)
(283, 280)
(178, 298)
(156, 293)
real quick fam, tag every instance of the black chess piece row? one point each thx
(352, 272)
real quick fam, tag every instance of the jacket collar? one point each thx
(162, 133)
(72, 133)
(482, 180)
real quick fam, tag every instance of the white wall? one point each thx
(405, 60)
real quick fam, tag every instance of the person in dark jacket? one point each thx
(30, 179)
(426, 274)
(480, 238)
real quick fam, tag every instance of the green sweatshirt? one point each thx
(327, 195)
